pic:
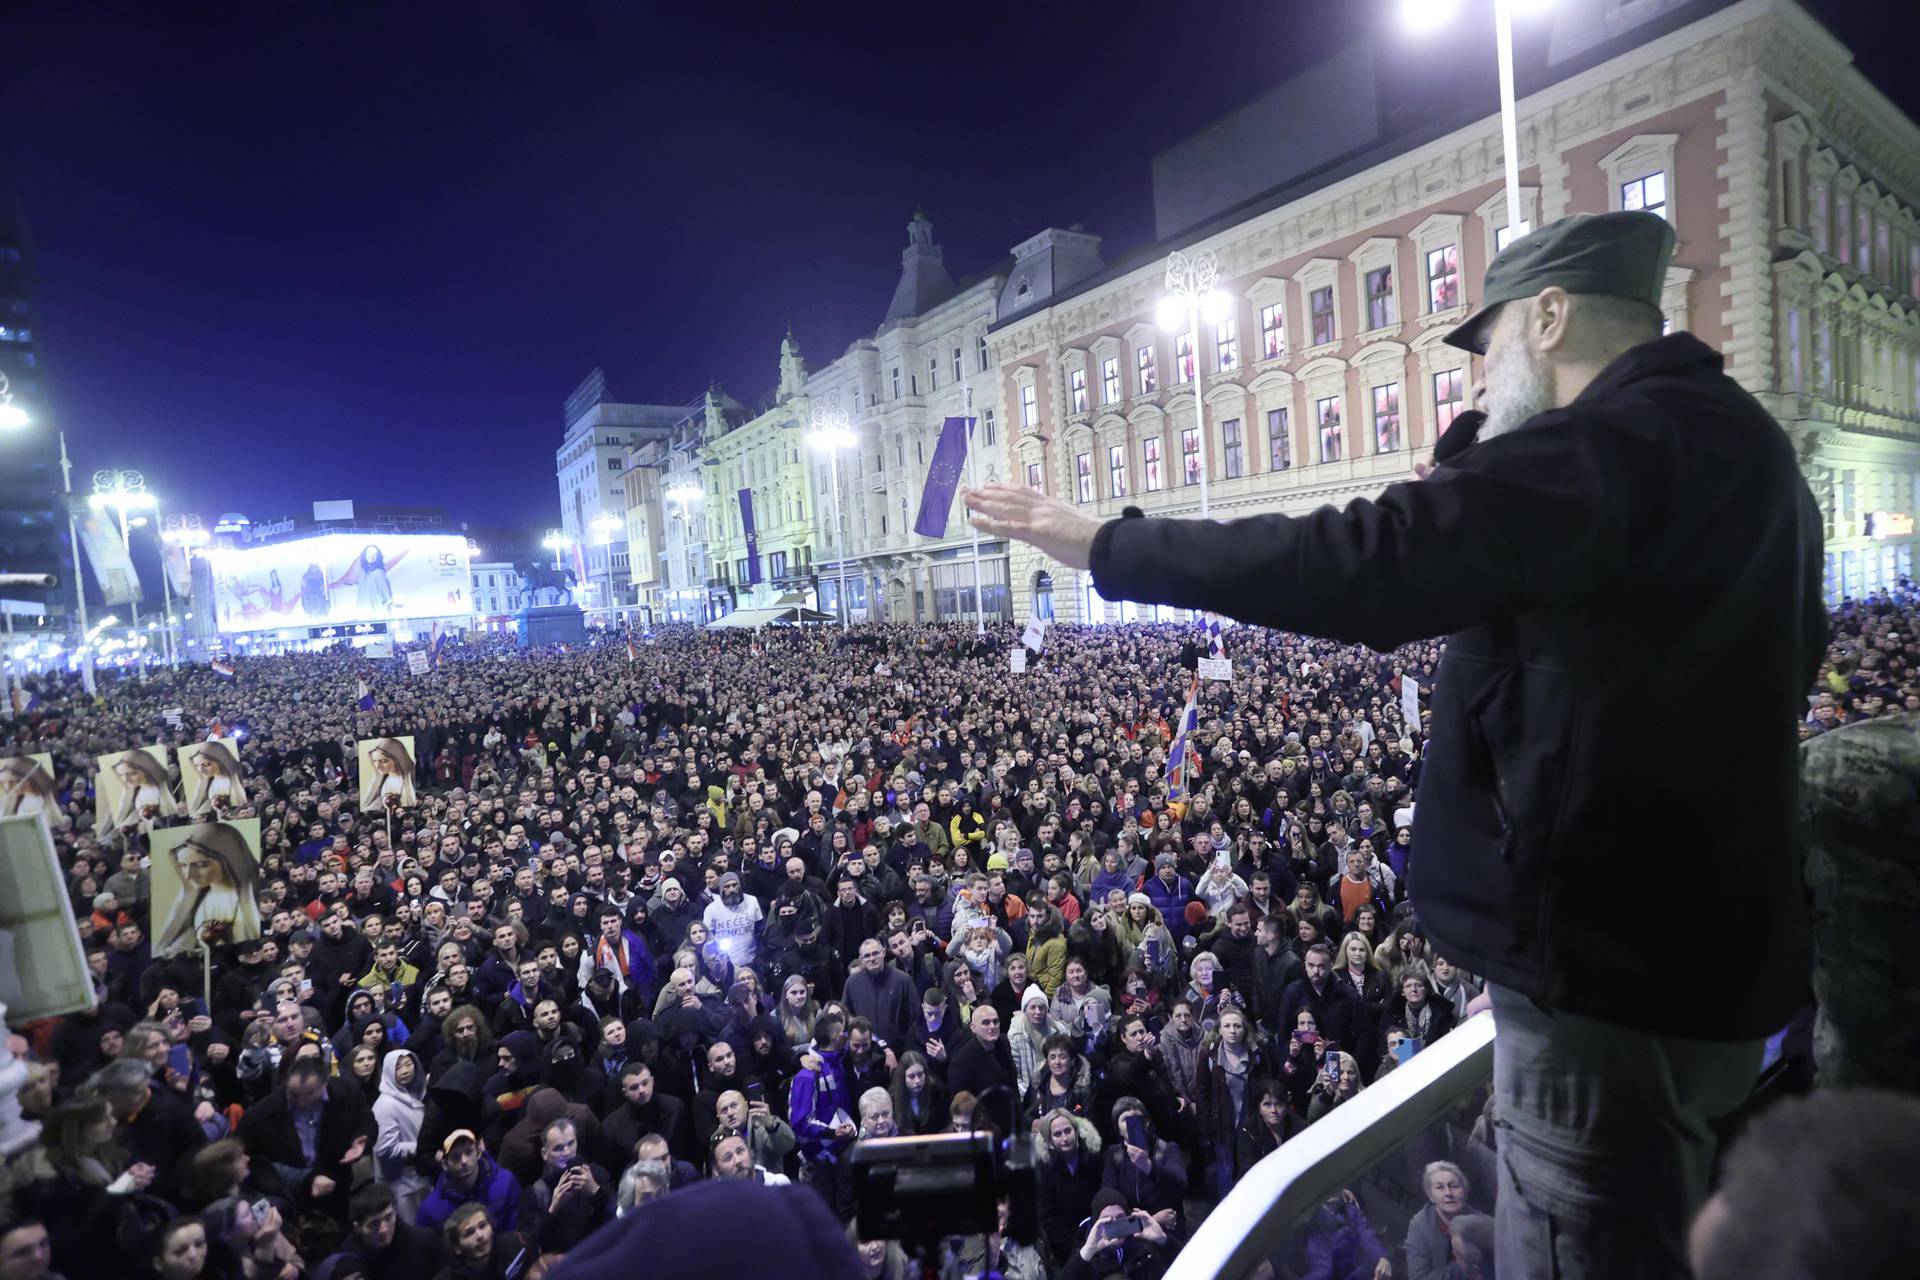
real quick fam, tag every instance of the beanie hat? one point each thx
(1104, 1200)
(997, 862)
(1034, 993)
(1196, 913)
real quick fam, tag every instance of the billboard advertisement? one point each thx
(340, 578)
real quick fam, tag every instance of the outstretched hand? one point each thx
(1028, 515)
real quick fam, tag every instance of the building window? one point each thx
(896, 382)
(1235, 452)
(899, 451)
(742, 569)
(1144, 371)
(1226, 344)
(1083, 477)
(1443, 277)
(1029, 405)
(1182, 359)
(1273, 331)
(1033, 476)
(1116, 471)
(1077, 389)
(777, 564)
(1380, 310)
(1386, 418)
(1110, 380)
(933, 375)
(980, 351)
(1449, 387)
(1320, 315)
(1503, 236)
(613, 464)
(1190, 456)
(1862, 237)
(1150, 463)
(1326, 415)
(913, 384)
(1842, 228)
(1648, 193)
(1279, 441)
(959, 368)
(986, 423)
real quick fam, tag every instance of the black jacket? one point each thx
(1656, 527)
(270, 1137)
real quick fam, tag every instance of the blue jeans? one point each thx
(1604, 1143)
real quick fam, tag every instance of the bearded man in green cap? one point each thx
(1621, 517)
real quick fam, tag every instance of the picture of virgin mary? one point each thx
(144, 794)
(26, 788)
(387, 776)
(214, 780)
(216, 871)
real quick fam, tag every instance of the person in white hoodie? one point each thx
(398, 1111)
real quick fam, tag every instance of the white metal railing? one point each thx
(1281, 1192)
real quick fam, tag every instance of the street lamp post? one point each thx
(121, 492)
(185, 532)
(830, 434)
(1191, 293)
(604, 526)
(1424, 15)
(684, 496)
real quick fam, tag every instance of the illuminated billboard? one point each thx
(340, 578)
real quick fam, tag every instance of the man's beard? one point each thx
(1518, 388)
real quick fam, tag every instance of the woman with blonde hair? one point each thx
(388, 780)
(214, 779)
(797, 1009)
(1338, 1081)
(217, 873)
(146, 794)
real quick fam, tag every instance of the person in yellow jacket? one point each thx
(1046, 947)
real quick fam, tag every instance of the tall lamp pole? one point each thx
(604, 526)
(556, 541)
(1191, 294)
(121, 492)
(830, 434)
(684, 496)
(185, 532)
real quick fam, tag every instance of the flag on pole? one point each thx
(216, 728)
(943, 478)
(363, 693)
(1216, 648)
(752, 535)
(24, 700)
(436, 641)
(1177, 762)
(222, 668)
(633, 654)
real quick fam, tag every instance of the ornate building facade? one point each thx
(755, 467)
(1792, 185)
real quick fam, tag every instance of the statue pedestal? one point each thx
(550, 624)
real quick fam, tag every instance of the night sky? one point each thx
(364, 251)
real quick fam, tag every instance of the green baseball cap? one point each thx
(1620, 255)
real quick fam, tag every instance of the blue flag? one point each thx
(753, 537)
(943, 478)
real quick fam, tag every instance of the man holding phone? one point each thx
(1128, 1241)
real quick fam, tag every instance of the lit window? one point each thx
(1448, 396)
(1029, 406)
(1083, 476)
(1273, 331)
(1386, 418)
(1110, 380)
(1503, 236)
(1326, 415)
(1033, 476)
(1235, 451)
(1116, 471)
(1380, 310)
(1182, 359)
(1144, 370)
(1226, 344)
(1077, 389)
(1648, 193)
(1150, 460)
(1320, 315)
(1190, 456)
(1443, 277)
(1279, 441)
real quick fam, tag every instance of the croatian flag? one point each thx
(633, 655)
(943, 478)
(1216, 648)
(363, 694)
(436, 640)
(222, 668)
(1177, 764)
(24, 700)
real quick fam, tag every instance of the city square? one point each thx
(1341, 704)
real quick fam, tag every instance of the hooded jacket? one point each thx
(398, 1112)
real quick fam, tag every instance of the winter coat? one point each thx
(493, 1187)
(397, 1114)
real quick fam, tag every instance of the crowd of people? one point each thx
(719, 907)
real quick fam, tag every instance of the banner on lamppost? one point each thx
(179, 570)
(112, 566)
(752, 536)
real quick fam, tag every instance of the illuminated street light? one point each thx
(556, 541)
(1191, 294)
(12, 416)
(831, 432)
